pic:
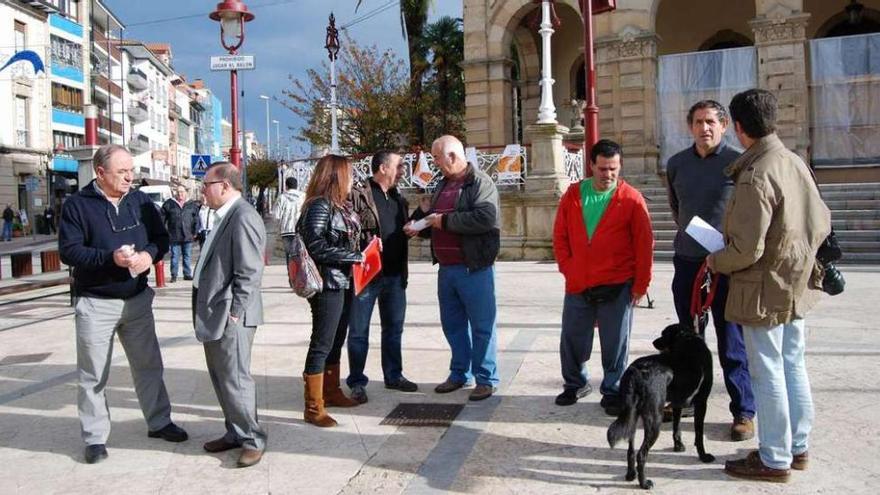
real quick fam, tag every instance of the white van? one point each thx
(157, 194)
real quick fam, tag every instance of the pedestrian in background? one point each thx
(8, 219)
(286, 212)
(182, 221)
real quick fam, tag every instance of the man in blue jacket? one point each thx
(110, 236)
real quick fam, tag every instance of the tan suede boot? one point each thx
(314, 411)
(333, 395)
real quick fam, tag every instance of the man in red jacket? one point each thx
(603, 243)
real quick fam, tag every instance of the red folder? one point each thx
(365, 272)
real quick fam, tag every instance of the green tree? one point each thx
(445, 80)
(413, 19)
(371, 95)
(262, 173)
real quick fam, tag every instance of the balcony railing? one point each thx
(138, 111)
(175, 110)
(103, 83)
(139, 143)
(507, 171)
(101, 41)
(137, 79)
(109, 125)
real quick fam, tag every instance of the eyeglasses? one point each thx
(208, 183)
(117, 229)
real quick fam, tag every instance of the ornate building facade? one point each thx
(654, 58)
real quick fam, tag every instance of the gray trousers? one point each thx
(229, 365)
(97, 321)
(615, 322)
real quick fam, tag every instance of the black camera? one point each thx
(833, 282)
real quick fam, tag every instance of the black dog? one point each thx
(680, 374)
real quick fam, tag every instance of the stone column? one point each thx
(546, 168)
(626, 74)
(488, 91)
(527, 217)
(85, 170)
(781, 42)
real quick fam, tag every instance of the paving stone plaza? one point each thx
(517, 441)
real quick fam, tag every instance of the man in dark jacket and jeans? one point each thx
(383, 211)
(465, 232)
(110, 236)
(182, 221)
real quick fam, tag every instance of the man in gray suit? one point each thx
(227, 308)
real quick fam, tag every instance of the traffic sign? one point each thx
(200, 164)
(32, 183)
(232, 62)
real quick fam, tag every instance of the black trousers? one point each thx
(330, 310)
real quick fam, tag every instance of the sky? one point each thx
(286, 37)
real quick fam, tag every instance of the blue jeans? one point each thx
(731, 347)
(467, 315)
(392, 310)
(579, 318)
(782, 391)
(186, 248)
(7, 230)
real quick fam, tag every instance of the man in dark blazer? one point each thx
(227, 308)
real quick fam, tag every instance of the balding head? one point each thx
(449, 156)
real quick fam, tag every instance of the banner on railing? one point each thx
(510, 163)
(422, 174)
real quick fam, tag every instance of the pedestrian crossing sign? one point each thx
(200, 164)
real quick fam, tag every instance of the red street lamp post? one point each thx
(232, 14)
(591, 109)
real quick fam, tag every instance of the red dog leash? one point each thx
(705, 285)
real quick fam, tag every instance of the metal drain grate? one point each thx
(25, 358)
(423, 414)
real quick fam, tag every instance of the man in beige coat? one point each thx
(774, 225)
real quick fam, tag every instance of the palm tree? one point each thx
(445, 40)
(413, 19)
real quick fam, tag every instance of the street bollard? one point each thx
(160, 274)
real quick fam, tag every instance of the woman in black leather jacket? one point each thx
(330, 230)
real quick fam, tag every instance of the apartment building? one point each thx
(108, 77)
(25, 103)
(69, 77)
(148, 79)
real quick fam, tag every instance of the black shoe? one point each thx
(95, 453)
(170, 433)
(359, 393)
(570, 395)
(173, 279)
(403, 385)
(187, 277)
(611, 404)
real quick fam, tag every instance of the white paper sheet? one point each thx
(705, 234)
(420, 224)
